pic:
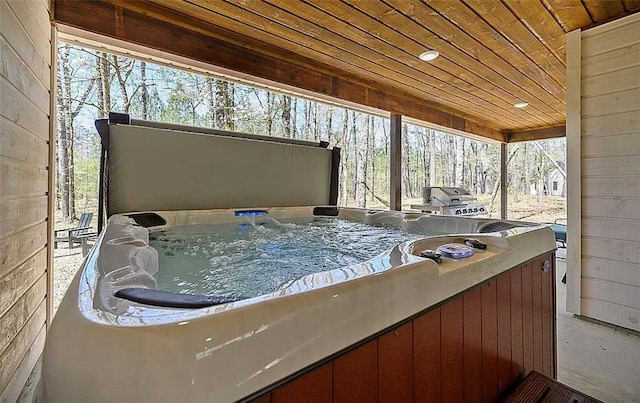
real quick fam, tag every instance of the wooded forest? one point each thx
(92, 83)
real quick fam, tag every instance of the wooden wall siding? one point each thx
(610, 172)
(25, 59)
(472, 348)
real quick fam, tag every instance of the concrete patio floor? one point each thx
(598, 360)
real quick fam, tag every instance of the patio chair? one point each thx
(560, 231)
(78, 234)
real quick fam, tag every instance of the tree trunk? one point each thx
(344, 160)
(371, 151)
(353, 147)
(482, 174)
(65, 137)
(432, 158)
(294, 119)
(406, 180)
(286, 116)
(458, 169)
(122, 81)
(224, 105)
(527, 173)
(144, 92)
(211, 98)
(541, 177)
(306, 120)
(63, 156)
(424, 135)
(269, 117)
(361, 161)
(329, 124)
(105, 81)
(316, 126)
(101, 102)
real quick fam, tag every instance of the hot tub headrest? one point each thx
(497, 226)
(147, 219)
(170, 299)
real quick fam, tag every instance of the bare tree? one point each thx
(145, 93)
(286, 115)
(458, 171)
(345, 159)
(63, 150)
(406, 180)
(432, 158)
(122, 73)
(104, 92)
(67, 112)
(362, 142)
(225, 95)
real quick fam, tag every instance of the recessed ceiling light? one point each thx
(521, 104)
(429, 55)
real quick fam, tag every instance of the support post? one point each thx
(503, 181)
(395, 163)
(574, 172)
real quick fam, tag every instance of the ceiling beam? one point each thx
(537, 134)
(165, 30)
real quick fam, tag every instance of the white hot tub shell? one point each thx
(104, 348)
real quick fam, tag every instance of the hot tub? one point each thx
(101, 347)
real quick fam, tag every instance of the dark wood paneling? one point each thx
(539, 134)
(503, 303)
(536, 291)
(472, 305)
(355, 375)
(517, 345)
(527, 319)
(473, 348)
(313, 387)
(427, 376)
(489, 342)
(395, 365)
(547, 320)
(452, 335)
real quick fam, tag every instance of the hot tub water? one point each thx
(256, 257)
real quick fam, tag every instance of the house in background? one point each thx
(556, 182)
(364, 55)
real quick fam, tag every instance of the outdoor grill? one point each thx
(449, 201)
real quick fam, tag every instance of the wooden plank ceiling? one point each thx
(493, 53)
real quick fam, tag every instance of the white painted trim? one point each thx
(574, 181)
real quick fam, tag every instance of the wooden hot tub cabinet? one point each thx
(474, 347)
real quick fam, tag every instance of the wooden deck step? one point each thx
(537, 388)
